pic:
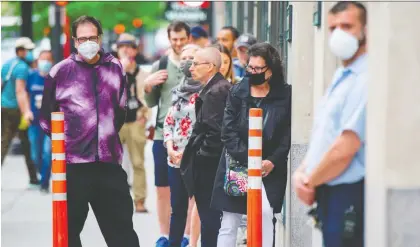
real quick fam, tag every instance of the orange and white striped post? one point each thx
(254, 203)
(59, 186)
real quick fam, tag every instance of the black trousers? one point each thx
(210, 218)
(104, 186)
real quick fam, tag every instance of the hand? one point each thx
(156, 78)
(28, 116)
(175, 156)
(305, 193)
(266, 167)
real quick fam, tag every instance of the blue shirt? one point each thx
(19, 72)
(238, 70)
(35, 88)
(343, 107)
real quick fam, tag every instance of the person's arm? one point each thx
(144, 111)
(168, 130)
(22, 74)
(352, 137)
(284, 138)
(213, 118)
(48, 101)
(151, 94)
(234, 145)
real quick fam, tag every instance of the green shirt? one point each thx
(161, 96)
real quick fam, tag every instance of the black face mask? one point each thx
(185, 67)
(256, 79)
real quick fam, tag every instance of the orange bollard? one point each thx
(254, 199)
(59, 186)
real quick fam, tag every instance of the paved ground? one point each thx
(26, 215)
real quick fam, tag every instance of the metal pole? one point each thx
(56, 34)
(26, 13)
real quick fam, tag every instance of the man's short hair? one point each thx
(178, 26)
(233, 30)
(86, 19)
(344, 5)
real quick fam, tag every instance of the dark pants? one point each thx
(333, 202)
(179, 204)
(9, 127)
(160, 157)
(10, 119)
(104, 186)
(26, 149)
(205, 173)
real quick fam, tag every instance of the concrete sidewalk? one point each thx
(26, 215)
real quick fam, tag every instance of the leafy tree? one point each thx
(109, 13)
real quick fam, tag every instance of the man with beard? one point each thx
(158, 86)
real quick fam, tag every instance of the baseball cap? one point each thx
(24, 42)
(198, 32)
(126, 39)
(245, 40)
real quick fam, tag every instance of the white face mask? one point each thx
(343, 45)
(88, 49)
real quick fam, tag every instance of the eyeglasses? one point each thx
(195, 64)
(256, 69)
(84, 39)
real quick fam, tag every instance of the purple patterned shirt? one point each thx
(93, 99)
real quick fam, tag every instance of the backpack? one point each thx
(163, 64)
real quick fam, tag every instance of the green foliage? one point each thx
(109, 13)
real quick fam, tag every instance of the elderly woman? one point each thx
(263, 87)
(177, 130)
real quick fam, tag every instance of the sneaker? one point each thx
(185, 242)
(162, 242)
(34, 186)
(45, 190)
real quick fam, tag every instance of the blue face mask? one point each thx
(44, 66)
(29, 57)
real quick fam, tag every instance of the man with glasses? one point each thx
(202, 154)
(90, 88)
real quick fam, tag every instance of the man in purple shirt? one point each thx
(90, 88)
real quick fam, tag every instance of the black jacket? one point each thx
(205, 145)
(276, 142)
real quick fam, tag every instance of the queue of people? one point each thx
(203, 93)
(199, 124)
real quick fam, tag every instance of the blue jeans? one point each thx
(333, 201)
(179, 204)
(41, 153)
